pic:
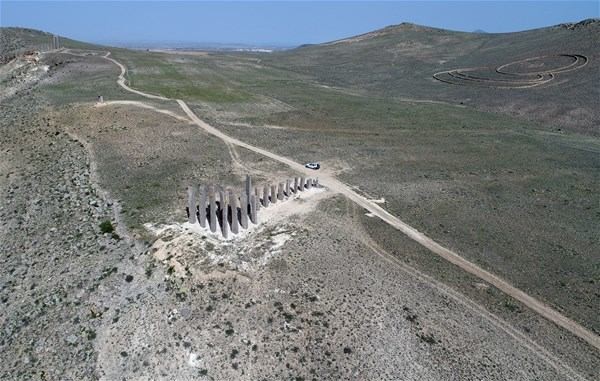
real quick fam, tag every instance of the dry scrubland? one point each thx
(515, 196)
(327, 294)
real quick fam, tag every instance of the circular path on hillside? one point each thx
(521, 74)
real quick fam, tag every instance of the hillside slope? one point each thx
(400, 61)
(15, 41)
(504, 193)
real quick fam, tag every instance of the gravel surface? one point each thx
(307, 297)
(56, 263)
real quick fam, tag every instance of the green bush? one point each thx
(106, 227)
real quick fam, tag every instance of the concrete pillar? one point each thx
(253, 211)
(224, 215)
(212, 209)
(274, 194)
(202, 206)
(191, 205)
(287, 188)
(317, 182)
(221, 198)
(280, 191)
(301, 184)
(222, 202)
(296, 185)
(308, 183)
(233, 204)
(266, 196)
(257, 194)
(244, 209)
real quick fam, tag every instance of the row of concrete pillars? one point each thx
(271, 193)
(228, 212)
(55, 42)
(233, 213)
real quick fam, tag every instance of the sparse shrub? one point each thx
(149, 270)
(512, 307)
(106, 227)
(427, 338)
(181, 296)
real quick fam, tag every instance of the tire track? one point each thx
(331, 182)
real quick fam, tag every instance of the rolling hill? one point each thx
(400, 61)
(400, 121)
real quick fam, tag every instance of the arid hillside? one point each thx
(453, 234)
(400, 61)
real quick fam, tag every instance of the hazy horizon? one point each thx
(271, 24)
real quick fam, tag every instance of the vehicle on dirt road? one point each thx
(314, 166)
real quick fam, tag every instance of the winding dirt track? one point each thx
(337, 186)
(121, 80)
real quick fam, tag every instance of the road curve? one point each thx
(331, 182)
(121, 80)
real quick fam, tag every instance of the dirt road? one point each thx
(121, 81)
(337, 186)
(144, 105)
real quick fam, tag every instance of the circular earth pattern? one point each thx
(526, 73)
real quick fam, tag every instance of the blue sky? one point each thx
(285, 23)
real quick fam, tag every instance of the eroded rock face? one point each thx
(20, 74)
